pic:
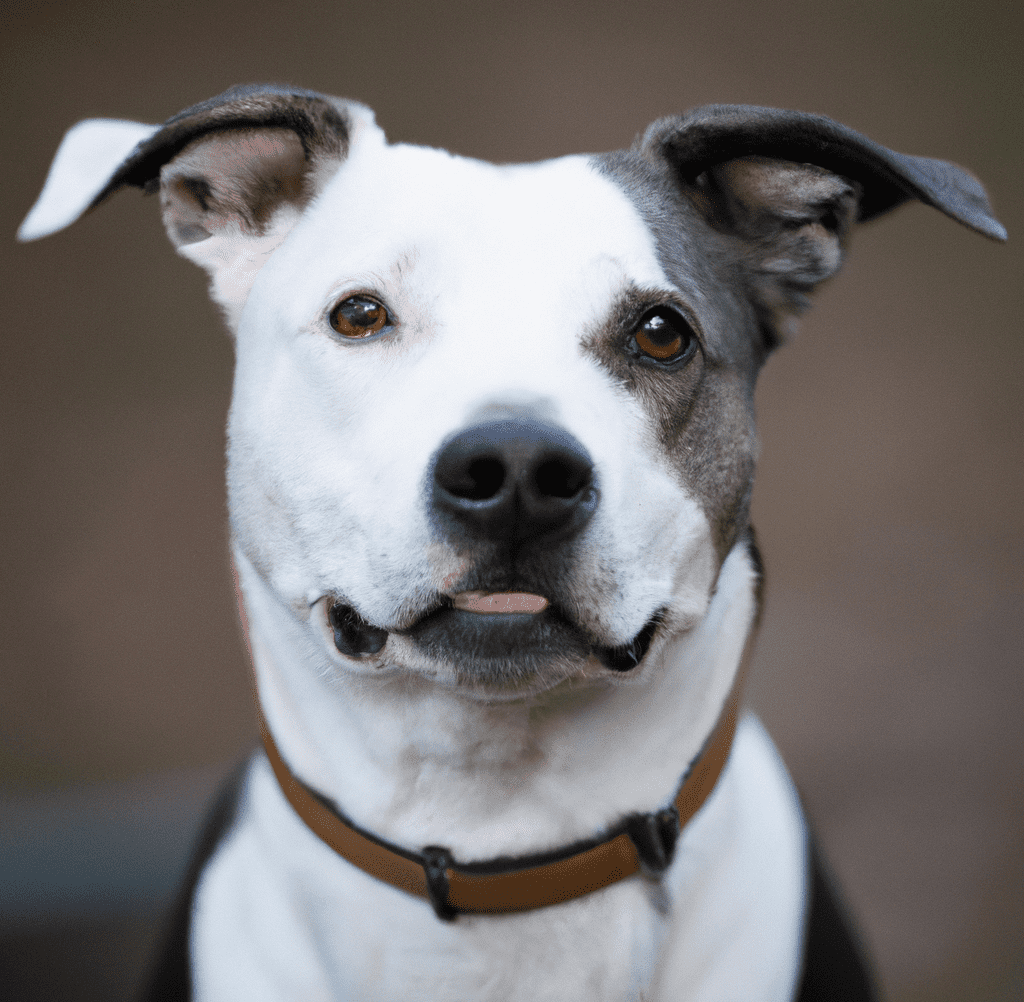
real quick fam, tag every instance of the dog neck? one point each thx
(639, 843)
(420, 764)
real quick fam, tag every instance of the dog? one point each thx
(491, 451)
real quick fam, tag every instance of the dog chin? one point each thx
(508, 679)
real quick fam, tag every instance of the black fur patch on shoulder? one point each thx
(834, 968)
(170, 979)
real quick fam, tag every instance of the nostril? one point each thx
(483, 480)
(558, 479)
(472, 479)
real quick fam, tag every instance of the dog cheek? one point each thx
(263, 525)
(650, 548)
(715, 457)
(694, 581)
(690, 561)
(260, 533)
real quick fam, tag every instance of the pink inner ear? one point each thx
(789, 191)
(792, 221)
(240, 176)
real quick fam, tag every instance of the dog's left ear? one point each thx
(790, 186)
(234, 174)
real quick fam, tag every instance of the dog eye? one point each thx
(663, 336)
(359, 317)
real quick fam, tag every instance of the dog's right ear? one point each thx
(234, 174)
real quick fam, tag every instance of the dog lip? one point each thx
(628, 656)
(488, 623)
(501, 602)
(449, 633)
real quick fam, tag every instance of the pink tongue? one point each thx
(501, 601)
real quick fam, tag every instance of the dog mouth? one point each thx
(509, 633)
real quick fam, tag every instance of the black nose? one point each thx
(514, 481)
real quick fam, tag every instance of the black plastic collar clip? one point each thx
(654, 836)
(436, 863)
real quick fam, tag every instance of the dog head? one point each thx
(493, 425)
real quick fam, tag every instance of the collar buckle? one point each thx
(654, 837)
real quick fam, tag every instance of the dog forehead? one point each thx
(473, 229)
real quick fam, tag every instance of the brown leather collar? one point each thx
(641, 842)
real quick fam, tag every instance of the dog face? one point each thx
(463, 388)
(513, 299)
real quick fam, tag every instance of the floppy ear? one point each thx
(234, 174)
(790, 186)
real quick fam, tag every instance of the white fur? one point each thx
(88, 155)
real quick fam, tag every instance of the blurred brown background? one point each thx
(888, 502)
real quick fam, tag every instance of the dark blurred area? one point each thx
(888, 502)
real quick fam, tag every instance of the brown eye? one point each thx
(663, 336)
(358, 317)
